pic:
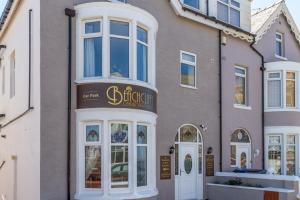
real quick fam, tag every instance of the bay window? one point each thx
(229, 12)
(274, 89)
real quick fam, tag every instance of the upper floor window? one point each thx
(192, 3)
(279, 44)
(188, 69)
(281, 89)
(229, 11)
(240, 95)
(142, 54)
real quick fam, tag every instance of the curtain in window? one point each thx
(92, 57)
(274, 93)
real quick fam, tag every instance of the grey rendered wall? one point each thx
(292, 52)
(239, 53)
(267, 44)
(54, 99)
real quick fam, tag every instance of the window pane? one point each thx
(239, 71)
(240, 90)
(192, 3)
(274, 75)
(188, 57)
(274, 93)
(119, 133)
(142, 35)
(291, 160)
(92, 167)
(279, 48)
(119, 57)
(92, 27)
(200, 159)
(274, 140)
(234, 17)
(119, 166)
(291, 139)
(225, 1)
(290, 93)
(93, 57)
(274, 158)
(188, 134)
(119, 28)
(187, 74)
(291, 75)
(233, 155)
(141, 134)
(241, 136)
(92, 133)
(222, 12)
(278, 36)
(141, 166)
(142, 62)
(235, 3)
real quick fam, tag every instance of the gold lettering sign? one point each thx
(116, 95)
(165, 167)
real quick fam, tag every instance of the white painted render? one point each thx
(20, 175)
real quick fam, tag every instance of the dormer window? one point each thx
(192, 3)
(229, 12)
(279, 44)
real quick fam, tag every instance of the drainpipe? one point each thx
(262, 68)
(29, 106)
(70, 14)
(207, 7)
(220, 100)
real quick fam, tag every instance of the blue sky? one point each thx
(293, 6)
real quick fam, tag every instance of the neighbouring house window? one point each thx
(240, 95)
(188, 69)
(92, 148)
(240, 149)
(192, 3)
(290, 89)
(12, 75)
(119, 155)
(92, 49)
(142, 152)
(274, 89)
(291, 155)
(274, 153)
(229, 12)
(142, 54)
(119, 49)
(279, 44)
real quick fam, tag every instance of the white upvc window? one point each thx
(188, 69)
(192, 3)
(241, 82)
(279, 38)
(229, 12)
(282, 156)
(12, 75)
(282, 89)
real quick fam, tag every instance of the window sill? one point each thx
(244, 107)
(282, 110)
(189, 87)
(280, 57)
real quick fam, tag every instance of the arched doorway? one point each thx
(188, 163)
(240, 146)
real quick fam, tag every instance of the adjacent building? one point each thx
(143, 99)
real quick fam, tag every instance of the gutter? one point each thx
(29, 107)
(70, 14)
(262, 68)
(220, 100)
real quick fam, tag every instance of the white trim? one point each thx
(280, 57)
(281, 41)
(244, 107)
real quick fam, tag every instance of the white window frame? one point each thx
(193, 64)
(282, 44)
(281, 88)
(198, 9)
(296, 153)
(296, 88)
(88, 36)
(230, 5)
(148, 48)
(245, 76)
(281, 148)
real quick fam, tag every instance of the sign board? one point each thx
(210, 165)
(116, 95)
(165, 167)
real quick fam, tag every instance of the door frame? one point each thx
(238, 150)
(199, 177)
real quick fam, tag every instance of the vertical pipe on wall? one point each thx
(220, 100)
(70, 13)
(207, 7)
(262, 68)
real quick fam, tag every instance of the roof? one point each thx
(262, 21)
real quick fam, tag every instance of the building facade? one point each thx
(136, 99)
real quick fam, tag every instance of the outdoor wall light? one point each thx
(224, 40)
(209, 150)
(203, 127)
(171, 150)
(256, 152)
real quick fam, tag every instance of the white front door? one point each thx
(243, 156)
(188, 158)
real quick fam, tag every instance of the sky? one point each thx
(293, 6)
